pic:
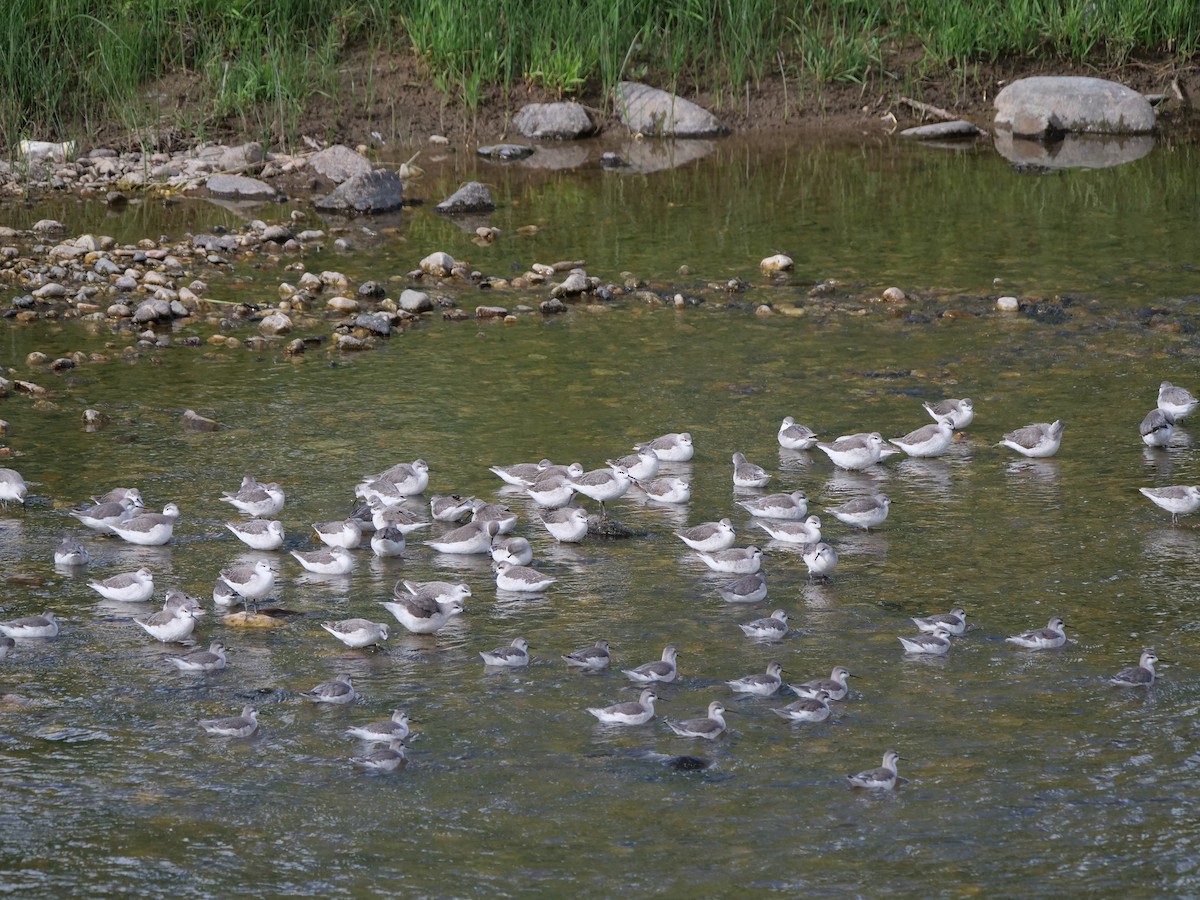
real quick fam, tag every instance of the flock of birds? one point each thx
(390, 512)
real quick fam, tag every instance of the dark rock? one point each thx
(505, 151)
(376, 323)
(552, 306)
(371, 290)
(376, 192)
(153, 311)
(960, 128)
(471, 197)
(490, 312)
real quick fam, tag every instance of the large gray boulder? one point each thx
(649, 111)
(553, 121)
(239, 187)
(471, 197)
(1046, 105)
(339, 163)
(376, 192)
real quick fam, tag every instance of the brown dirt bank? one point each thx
(393, 99)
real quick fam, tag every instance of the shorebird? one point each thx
(958, 413)
(234, 726)
(256, 499)
(750, 588)
(760, 685)
(521, 578)
(863, 512)
(928, 440)
(70, 553)
(666, 490)
(854, 451)
(747, 474)
(1178, 500)
(505, 518)
(326, 561)
(260, 534)
(1038, 441)
(772, 628)
(1141, 675)
(515, 550)
(394, 729)
(806, 709)
(474, 537)
(954, 622)
(201, 661)
(514, 655)
(357, 633)
(640, 466)
(734, 561)
(450, 509)
(43, 625)
(1156, 429)
(12, 487)
(339, 691)
(710, 727)
(790, 507)
(936, 643)
(603, 485)
(1177, 401)
(820, 559)
(521, 474)
(673, 447)
(595, 657)
(806, 532)
(103, 516)
(834, 686)
(568, 525)
(424, 612)
(389, 759)
(148, 529)
(708, 537)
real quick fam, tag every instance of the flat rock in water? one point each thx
(471, 197)
(339, 163)
(375, 192)
(553, 121)
(939, 131)
(648, 110)
(239, 187)
(505, 151)
(1049, 104)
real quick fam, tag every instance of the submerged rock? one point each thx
(1046, 105)
(505, 151)
(648, 110)
(471, 197)
(193, 421)
(376, 192)
(940, 131)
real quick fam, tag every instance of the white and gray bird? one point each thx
(772, 628)
(568, 525)
(260, 534)
(1178, 500)
(12, 486)
(1175, 400)
(759, 685)
(958, 413)
(631, 712)
(882, 779)
(747, 474)
(127, 587)
(326, 560)
(201, 661)
(256, 499)
(148, 529)
(513, 656)
(734, 561)
(1141, 675)
(928, 440)
(241, 726)
(935, 643)
(806, 709)
(663, 670)
(340, 691)
(1042, 638)
(71, 554)
(592, 658)
(709, 537)
(522, 579)
(793, 436)
(835, 686)
(390, 759)
(672, 447)
(863, 512)
(1038, 441)
(954, 622)
(806, 532)
(43, 625)
(394, 729)
(709, 727)
(789, 507)
(750, 588)
(854, 451)
(820, 558)
(1156, 429)
(357, 633)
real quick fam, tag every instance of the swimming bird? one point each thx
(250, 582)
(44, 625)
(709, 537)
(423, 613)
(834, 686)
(389, 759)
(806, 709)
(734, 561)
(394, 729)
(663, 670)
(750, 588)
(521, 578)
(6, 644)
(1156, 429)
(554, 489)
(521, 474)
(201, 661)
(747, 474)
(793, 436)
(760, 685)
(71, 553)
(640, 466)
(1141, 675)
(806, 532)
(709, 727)
(820, 558)
(12, 486)
(671, 447)
(594, 658)
(958, 413)
(255, 499)
(666, 490)
(102, 516)
(234, 726)
(148, 529)
(863, 512)
(260, 534)
(128, 587)
(474, 537)
(881, 779)
(955, 622)
(326, 561)
(1042, 638)
(388, 542)
(772, 628)
(1178, 500)
(404, 479)
(603, 485)
(936, 643)
(789, 507)
(514, 655)
(928, 440)
(357, 633)
(515, 550)
(340, 691)
(346, 534)
(568, 525)
(171, 624)
(505, 518)
(854, 451)
(631, 712)
(450, 509)
(1177, 401)
(1038, 441)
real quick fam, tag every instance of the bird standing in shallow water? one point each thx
(1178, 499)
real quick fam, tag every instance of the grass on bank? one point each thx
(68, 65)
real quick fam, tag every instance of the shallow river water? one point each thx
(1028, 772)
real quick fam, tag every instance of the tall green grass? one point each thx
(68, 65)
